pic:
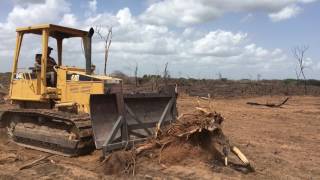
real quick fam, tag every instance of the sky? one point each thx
(197, 38)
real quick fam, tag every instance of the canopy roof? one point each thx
(54, 30)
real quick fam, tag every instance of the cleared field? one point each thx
(282, 143)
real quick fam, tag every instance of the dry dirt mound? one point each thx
(195, 136)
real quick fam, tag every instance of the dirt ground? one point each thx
(282, 143)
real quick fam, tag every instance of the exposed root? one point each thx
(119, 162)
(197, 135)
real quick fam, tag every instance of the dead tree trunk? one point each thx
(272, 105)
(166, 74)
(136, 74)
(299, 55)
(107, 39)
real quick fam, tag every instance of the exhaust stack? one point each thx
(87, 44)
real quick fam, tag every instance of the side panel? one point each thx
(24, 89)
(79, 92)
(75, 90)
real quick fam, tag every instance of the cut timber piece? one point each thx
(242, 157)
(226, 161)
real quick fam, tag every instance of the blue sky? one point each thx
(198, 38)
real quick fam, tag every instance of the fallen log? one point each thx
(271, 105)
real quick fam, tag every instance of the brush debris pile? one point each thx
(195, 136)
(2, 96)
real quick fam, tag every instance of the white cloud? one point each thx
(219, 43)
(247, 18)
(124, 17)
(178, 12)
(188, 50)
(26, 13)
(317, 66)
(91, 8)
(286, 13)
(190, 12)
(26, 2)
(308, 62)
(93, 5)
(68, 20)
(46, 12)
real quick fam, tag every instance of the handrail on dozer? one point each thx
(119, 120)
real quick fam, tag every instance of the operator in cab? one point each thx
(50, 67)
(50, 62)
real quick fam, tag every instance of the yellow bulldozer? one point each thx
(71, 111)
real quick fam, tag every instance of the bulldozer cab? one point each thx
(38, 80)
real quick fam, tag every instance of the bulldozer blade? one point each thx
(104, 113)
(145, 111)
(142, 113)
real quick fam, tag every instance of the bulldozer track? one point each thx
(51, 131)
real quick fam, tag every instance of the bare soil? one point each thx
(282, 143)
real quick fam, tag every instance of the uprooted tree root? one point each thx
(193, 136)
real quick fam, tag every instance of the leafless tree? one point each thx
(107, 39)
(220, 76)
(297, 75)
(136, 74)
(258, 77)
(166, 74)
(299, 54)
(155, 82)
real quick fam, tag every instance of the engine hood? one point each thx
(82, 76)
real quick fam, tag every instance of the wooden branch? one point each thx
(204, 111)
(145, 147)
(29, 165)
(179, 117)
(271, 105)
(204, 98)
(189, 132)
